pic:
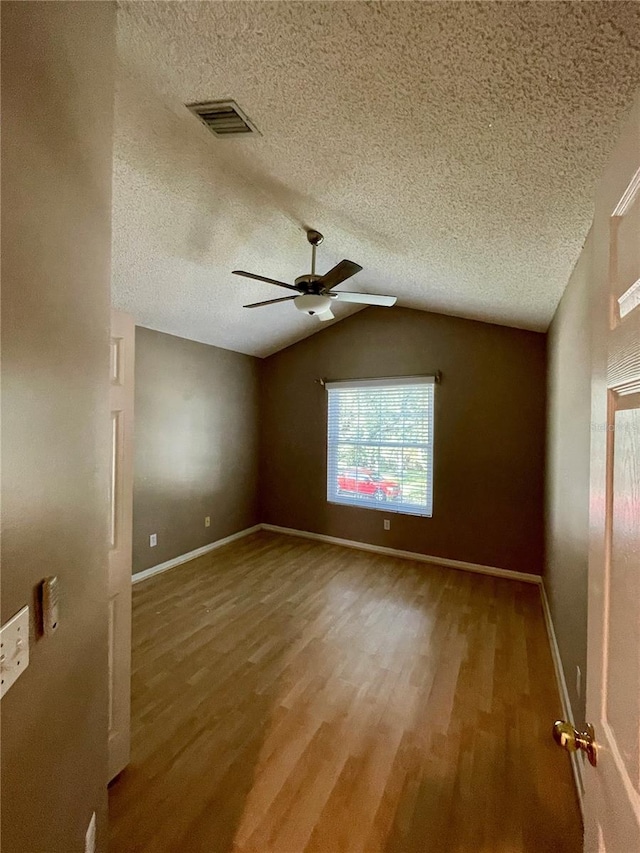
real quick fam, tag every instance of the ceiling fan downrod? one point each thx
(315, 238)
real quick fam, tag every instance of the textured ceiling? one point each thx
(452, 149)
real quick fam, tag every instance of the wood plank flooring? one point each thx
(292, 696)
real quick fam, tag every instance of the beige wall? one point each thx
(57, 95)
(489, 434)
(196, 445)
(567, 498)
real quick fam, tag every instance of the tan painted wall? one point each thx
(567, 498)
(489, 434)
(196, 445)
(57, 95)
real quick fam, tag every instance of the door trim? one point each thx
(567, 712)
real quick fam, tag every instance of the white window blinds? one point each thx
(380, 444)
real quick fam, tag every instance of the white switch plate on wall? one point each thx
(14, 649)
(207, 521)
(153, 540)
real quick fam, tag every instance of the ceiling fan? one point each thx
(314, 293)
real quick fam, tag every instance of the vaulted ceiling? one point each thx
(452, 149)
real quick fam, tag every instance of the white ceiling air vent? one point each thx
(224, 118)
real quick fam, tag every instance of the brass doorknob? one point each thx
(572, 740)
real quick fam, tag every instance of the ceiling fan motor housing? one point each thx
(307, 283)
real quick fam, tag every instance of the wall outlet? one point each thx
(90, 837)
(153, 540)
(578, 680)
(14, 648)
(387, 524)
(207, 521)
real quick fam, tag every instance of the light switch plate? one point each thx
(14, 649)
(153, 540)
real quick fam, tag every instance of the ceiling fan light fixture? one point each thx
(312, 303)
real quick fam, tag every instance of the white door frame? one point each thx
(120, 538)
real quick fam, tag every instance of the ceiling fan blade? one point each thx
(263, 278)
(269, 302)
(365, 298)
(326, 315)
(341, 272)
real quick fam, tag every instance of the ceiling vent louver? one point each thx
(224, 118)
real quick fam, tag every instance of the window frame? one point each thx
(332, 446)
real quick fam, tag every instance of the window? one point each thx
(380, 444)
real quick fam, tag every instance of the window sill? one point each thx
(382, 506)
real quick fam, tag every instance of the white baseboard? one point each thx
(408, 555)
(345, 543)
(199, 552)
(576, 760)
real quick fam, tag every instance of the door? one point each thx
(120, 533)
(612, 789)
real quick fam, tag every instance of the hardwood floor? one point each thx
(292, 696)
